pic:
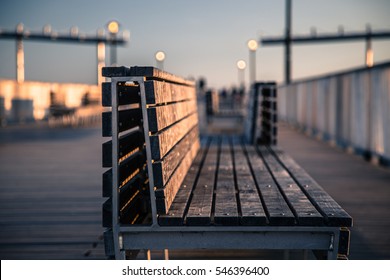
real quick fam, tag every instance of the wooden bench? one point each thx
(168, 188)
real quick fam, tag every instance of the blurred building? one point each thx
(31, 101)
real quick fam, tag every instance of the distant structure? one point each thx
(287, 40)
(100, 39)
(22, 101)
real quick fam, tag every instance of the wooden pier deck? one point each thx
(50, 193)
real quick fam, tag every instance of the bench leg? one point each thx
(166, 254)
(332, 255)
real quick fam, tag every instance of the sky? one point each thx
(201, 38)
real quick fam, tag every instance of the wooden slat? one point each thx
(151, 72)
(109, 248)
(131, 167)
(129, 193)
(175, 215)
(127, 145)
(199, 212)
(115, 71)
(107, 183)
(162, 142)
(161, 117)
(126, 94)
(226, 212)
(251, 206)
(107, 213)
(277, 210)
(106, 94)
(158, 92)
(127, 119)
(302, 208)
(334, 214)
(132, 215)
(165, 196)
(163, 169)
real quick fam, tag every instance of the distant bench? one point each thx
(168, 188)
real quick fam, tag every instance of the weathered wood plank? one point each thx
(126, 94)
(199, 212)
(151, 72)
(226, 212)
(127, 119)
(107, 183)
(276, 208)
(166, 195)
(176, 213)
(158, 92)
(131, 167)
(161, 117)
(116, 71)
(162, 142)
(127, 145)
(133, 214)
(252, 211)
(302, 208)
(129, 193)
(334, 214)
(163, 169)
(107, 213)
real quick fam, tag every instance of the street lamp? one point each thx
(160, 57)
(252, 45)
(113, 29)
(19, 54)
(241, 65)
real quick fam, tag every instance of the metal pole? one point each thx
(101, 61)
(287, 55)
(252, 66)
(113, 52)
(19, 61)
(160, 64)
(19, 54)
(241, 77)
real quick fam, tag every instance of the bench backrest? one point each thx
(261, 121)
(155, 138)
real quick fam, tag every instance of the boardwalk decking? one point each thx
(362, 189)
(50, 194)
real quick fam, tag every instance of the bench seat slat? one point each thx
(199, 212)
(175, 216)
(251, 206)
(163, 169)
(166, 195)
(303, 209)
(278, 211)
(226, 212)
(334, 214)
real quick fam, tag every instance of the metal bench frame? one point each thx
(159, 237)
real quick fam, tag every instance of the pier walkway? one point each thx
(50, 193)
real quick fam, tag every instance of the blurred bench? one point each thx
(167, 188)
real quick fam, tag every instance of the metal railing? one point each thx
(350, 109)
